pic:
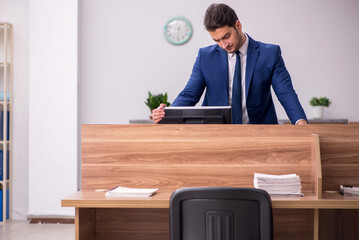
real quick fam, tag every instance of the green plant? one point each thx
(323, 101)
(154, 100)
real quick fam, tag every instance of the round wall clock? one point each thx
(178, 30)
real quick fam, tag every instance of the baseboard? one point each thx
(51, 219)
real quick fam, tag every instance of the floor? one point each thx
(17, 230)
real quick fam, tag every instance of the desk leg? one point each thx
(316, 224)
(85, 224)
(77, 232)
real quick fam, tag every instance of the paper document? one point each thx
(349, 190)
(131, 192)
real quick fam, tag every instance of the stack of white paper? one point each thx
(288, 184)
(131, 192)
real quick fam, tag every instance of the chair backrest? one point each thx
(220, 213)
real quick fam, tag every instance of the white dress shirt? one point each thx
(231, 69)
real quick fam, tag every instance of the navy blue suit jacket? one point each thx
(265, 68)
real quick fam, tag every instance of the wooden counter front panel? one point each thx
(339, 145)
(340, 162)
(174, 160)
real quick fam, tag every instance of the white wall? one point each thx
(52, 105)
(123, 52)
(37, 190)
(16, 13)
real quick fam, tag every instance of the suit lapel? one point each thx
(223, 68)
(252, 56)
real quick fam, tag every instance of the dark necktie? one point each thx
(237, 93)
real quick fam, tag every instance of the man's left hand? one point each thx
(301, 122)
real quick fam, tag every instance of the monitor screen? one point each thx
(198, 115)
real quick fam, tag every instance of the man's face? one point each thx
(229, 38)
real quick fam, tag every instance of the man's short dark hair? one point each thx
(219, 15)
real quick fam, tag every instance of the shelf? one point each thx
(2, 184)
(2, 102)
(2, 64)
(3, 24)
(5, 104)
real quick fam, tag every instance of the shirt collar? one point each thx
(243, 49)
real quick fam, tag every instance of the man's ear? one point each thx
(238, 26)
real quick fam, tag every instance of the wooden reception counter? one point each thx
(174, 156)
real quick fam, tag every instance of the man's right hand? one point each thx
(158, 113)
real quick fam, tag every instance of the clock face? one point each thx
(178, 30)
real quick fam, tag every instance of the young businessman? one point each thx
(238, 71)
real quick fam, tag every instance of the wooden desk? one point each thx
(92, 199)
(107, 215)
(169, 157)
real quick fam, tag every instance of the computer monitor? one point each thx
(197, 115)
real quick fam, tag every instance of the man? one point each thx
(238, 71)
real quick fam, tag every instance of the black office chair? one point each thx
(222, 213)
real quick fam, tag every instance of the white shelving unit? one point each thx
(5, 116)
